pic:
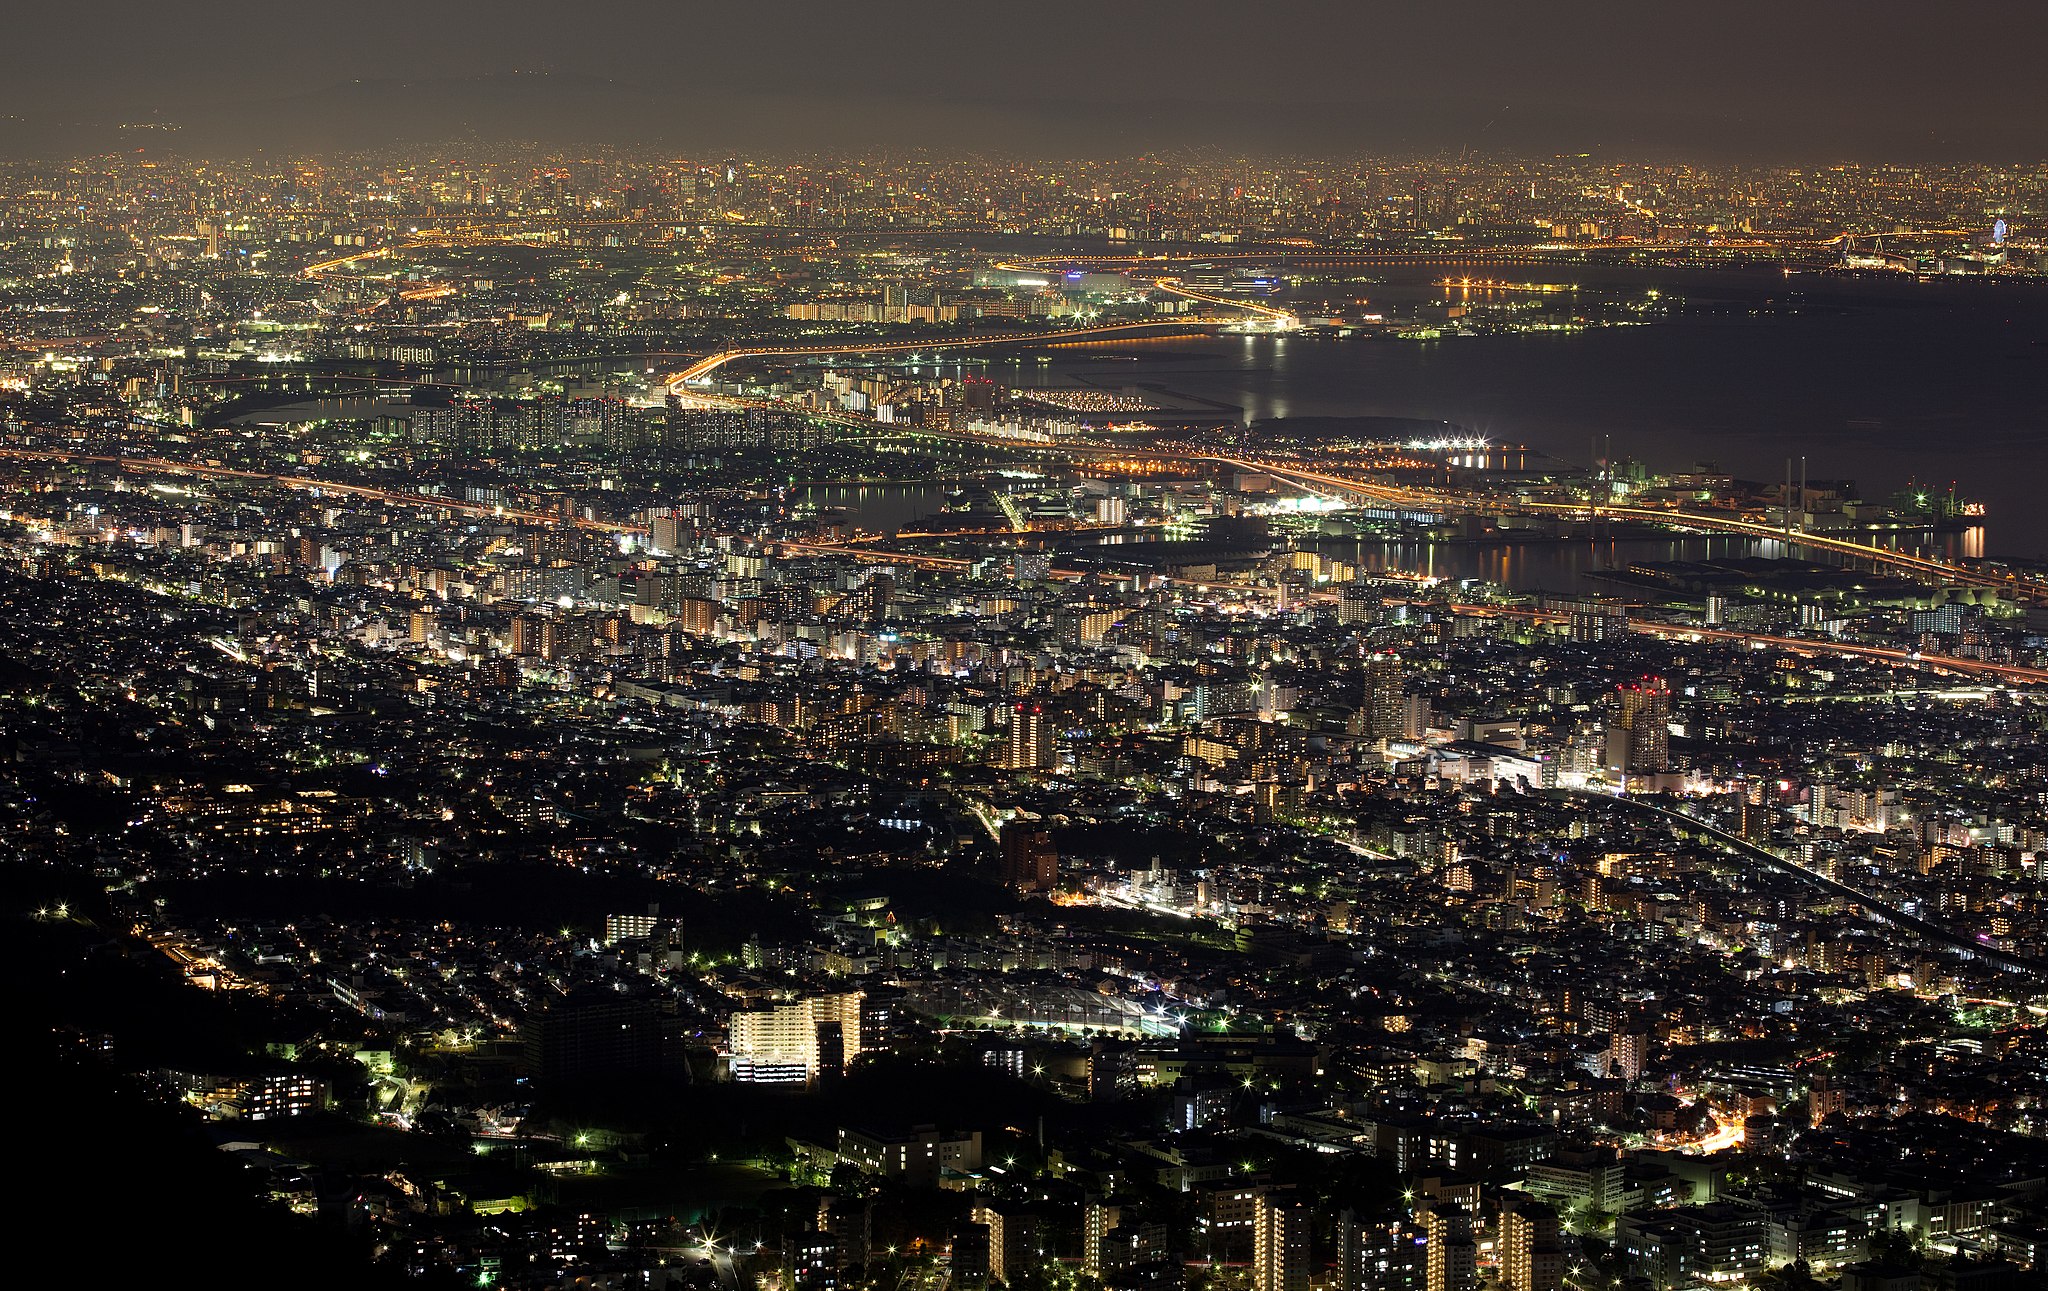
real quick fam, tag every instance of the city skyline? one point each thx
(917, 695)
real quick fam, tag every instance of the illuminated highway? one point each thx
(1727, 1135)
(1280, 318)
(342, 262)
(1342, 487)
(704, 367)
(1876, 908)
(2014, 673)
(1754, 528)
(1797, 645)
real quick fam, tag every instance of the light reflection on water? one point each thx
(882, 508)
(1560, 566)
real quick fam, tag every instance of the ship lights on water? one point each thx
(1450, 444)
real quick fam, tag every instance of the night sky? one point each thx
(1793, 80)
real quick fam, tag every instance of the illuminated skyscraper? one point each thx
(1598, 621)
(1280, 1244)
(1378, 1256)
(1097, 1219)
(1417, 715)
(1013, 1242)
(1753, 813)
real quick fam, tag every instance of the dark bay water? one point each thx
(1561, 566)
(1883, 382)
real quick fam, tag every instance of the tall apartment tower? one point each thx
(1377, 1255)
(1639, 738)
(1384, 709)
(1030, 861)
(1279, 1244)
(1098, 1218)
(1531, 1248)
(1453, 1255)
(1028, 744)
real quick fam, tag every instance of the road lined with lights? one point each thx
(2016, 673)
(1282, 319)
(1797, 645)
(1880, 910)
(1342, 485)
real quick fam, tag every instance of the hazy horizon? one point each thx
(1807, 84)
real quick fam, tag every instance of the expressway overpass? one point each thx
(1346, 488)
(1905, 562)
(1281, 319)
(678, 382)
(1335, 257)
(2015, 674)
(485, 230)
(422, 240)
(2008, 672)
(1427, 501)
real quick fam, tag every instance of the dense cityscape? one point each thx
(609, 718)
